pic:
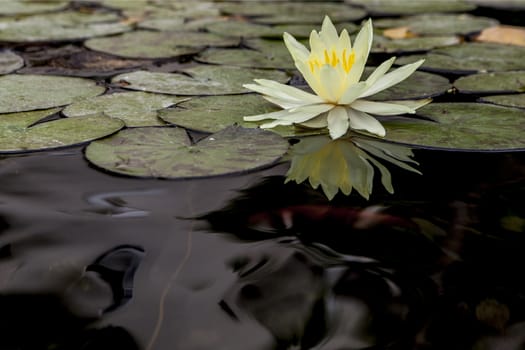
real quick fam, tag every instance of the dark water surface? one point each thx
(94, 261)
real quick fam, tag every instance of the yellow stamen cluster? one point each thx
(332, 58)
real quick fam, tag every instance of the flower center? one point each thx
(332, 58)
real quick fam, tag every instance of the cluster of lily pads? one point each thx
(155, 87)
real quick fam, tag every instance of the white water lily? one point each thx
(333, 70)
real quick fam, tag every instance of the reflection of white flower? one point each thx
(346, 163)
(332, 69)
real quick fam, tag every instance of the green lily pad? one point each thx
(471, 58)
(19, 134)
(168, 152)
(417, 86)
(439, 24)
(492, 83)
(68, 25)
(10, 62)
(247, 58)
(24, 7)
(163, 24)
(29, 92)
(301, 31)
(515, 5)
(383, 44)
(241, 29)
(213, 113)
(147, 44)
(404, 7)
(202, 80)
(293, 12)
(514, 100)
(133, 108)
(461, 126)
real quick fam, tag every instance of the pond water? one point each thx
(94, 260)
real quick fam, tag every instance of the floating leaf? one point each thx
(10, 62)
(168, 152)
(501, 4)
(147, 44)
(461, 126)
(24, 7)
(29, 92)
(203, 80)
(133, 108)
(503, 35)
(248, 58)
(214, 113)
(382, 44)
(492, 83)
(471, 58)
(515, 100)
(241, 29)
(404, 7)
(438, 24)
(67, 25)
(417, 86)
(18, 134)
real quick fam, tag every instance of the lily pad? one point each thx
(469, 58)
(293, 12)
(213, 113)
(301, 31)
(147, 44)
(169, 153)
(501, 4)
(247, 58)
(29, 92)
(133, 108)
(461, 126)
(382, 44)
(24, 7)
(9, 62)
(68, 25)
(417, 86)
(404, 7)
(514, 100)
(438, 24)
(242, 29)
(202, 80)
(492, 83)
(19, 134)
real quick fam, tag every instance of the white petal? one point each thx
(317, 46)
(297, 50)
(312, 110)
(352, 93)
(328, 33)
(337, 122)
(380, 71)
(312, 79)
(286, 104)
(381, 108)
(414, 104)
(362, 121)
(331, 81)
(344, 42)
(290, 91)
(392, 78)
(296, 115)
(271, 115)
(362, 46)
(316, 122)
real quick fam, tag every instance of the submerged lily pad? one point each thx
(202, 80)
(461, 126)
(214, 113)
(9, 62)
(492, 83)
(169, 153)
(19, 134)
(24, 7)
(133, 108)
(404, 7)
(147, 44)
(515, 100)
(29, 92)
(471, 58)
(438, 24)
(67, 25)
(382, 44)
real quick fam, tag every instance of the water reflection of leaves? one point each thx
(346, 163)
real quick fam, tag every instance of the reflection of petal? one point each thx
(346, 163)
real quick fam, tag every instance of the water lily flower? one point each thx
(333, 70)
